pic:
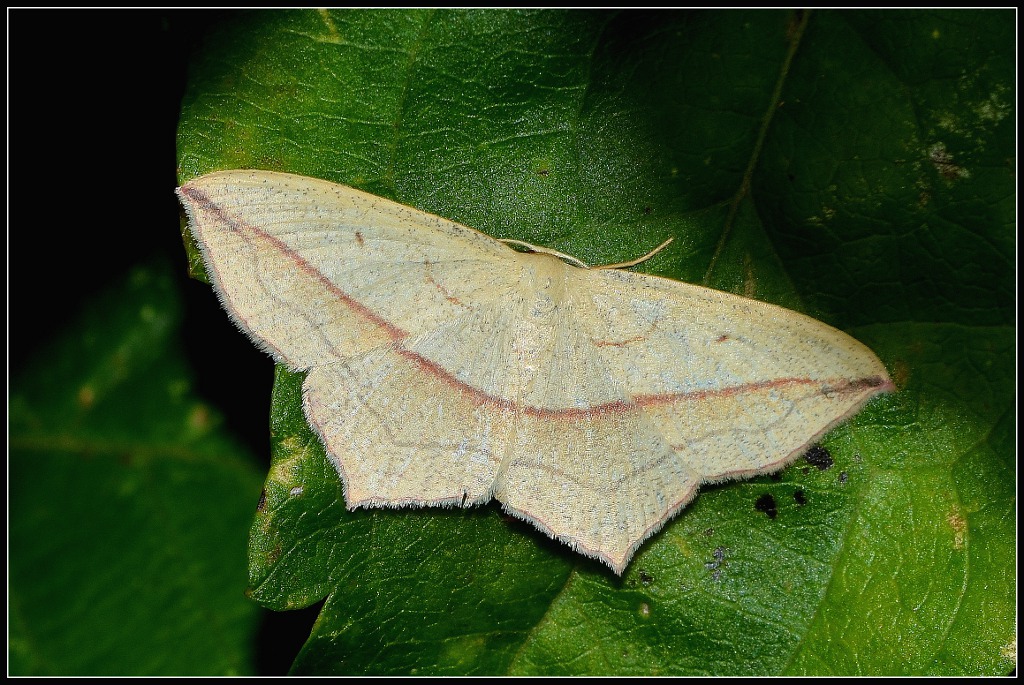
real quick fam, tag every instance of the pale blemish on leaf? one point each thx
(901, 374)
(463, 651)
(288, 471)
(199, 418)
(148, 314)
(819, 220)
(293, 444)
(976, 117)
(1009, 650)
(942, 160)
(995, 108)
(959, 525)
(86, 396)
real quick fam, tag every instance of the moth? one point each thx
(445, 368)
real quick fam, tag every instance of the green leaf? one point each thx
(856, 166)
(128, 503)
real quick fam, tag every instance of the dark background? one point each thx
(93, 103)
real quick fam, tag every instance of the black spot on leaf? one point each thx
(819, 457)
(800, 497)
(766, 504)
